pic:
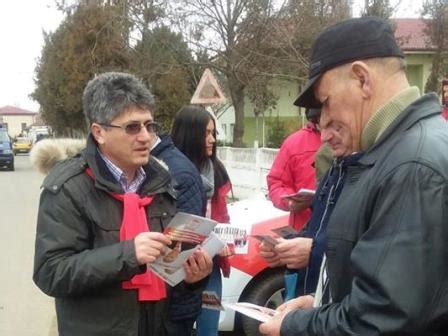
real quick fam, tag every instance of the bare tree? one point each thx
(252, 42)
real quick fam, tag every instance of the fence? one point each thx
(247, 168)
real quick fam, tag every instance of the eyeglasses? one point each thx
(134, 127)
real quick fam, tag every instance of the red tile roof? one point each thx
(412, 35)
(12, 110)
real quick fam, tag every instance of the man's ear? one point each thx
(98, 133)
(363, 74)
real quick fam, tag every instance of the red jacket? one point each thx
(220, 214)
(445, 112)
(219, 211)
(293, 169)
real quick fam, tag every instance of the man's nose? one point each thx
(325, 135)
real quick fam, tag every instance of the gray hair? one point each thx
(111, 93)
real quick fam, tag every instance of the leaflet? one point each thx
(251, 310)
(187, 232)
(211, 300)
(235, 237)
(302, 195)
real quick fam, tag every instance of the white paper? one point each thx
(235, 237)
(251, 310)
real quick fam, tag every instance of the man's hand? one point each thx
(197, 266)
(294, 253)
(272, 327)
(225, 252)
(269, 254)
(302, 302)
(149, 245)
(299, 204)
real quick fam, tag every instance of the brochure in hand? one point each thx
(211, 300)
(302, 195)
(187, 232)
(234, 237)
(251, 310)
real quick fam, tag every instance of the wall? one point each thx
(418, 69)
(247, 168)
(15, 123)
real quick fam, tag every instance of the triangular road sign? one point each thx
(208, 91)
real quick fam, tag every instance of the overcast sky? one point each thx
(21, 26)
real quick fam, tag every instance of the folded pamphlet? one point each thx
(301, 195)
(251, 310)
(187, 233)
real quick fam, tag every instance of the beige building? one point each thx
(16, 119)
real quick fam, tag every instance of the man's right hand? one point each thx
(268, 253)
(295, 252)
(149, 245)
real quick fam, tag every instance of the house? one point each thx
(16, 119)
(412, 37)
(417, 47)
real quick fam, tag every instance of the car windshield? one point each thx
(23, 141)
(4, 136)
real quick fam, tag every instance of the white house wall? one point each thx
(15, 123)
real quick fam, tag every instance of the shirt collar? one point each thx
(121, 177)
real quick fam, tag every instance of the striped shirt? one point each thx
(122, 178)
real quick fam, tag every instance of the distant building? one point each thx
(16, 120)
(413, 38)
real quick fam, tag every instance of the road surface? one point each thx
(24, 309)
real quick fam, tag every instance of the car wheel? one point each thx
(11, 166)
(267, 291)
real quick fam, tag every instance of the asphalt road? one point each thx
(24, 309)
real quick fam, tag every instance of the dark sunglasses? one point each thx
(134, 128)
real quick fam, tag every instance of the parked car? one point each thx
(21, 145)
(6, 152)
(251, 279)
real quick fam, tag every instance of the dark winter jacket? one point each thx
(190, 199)
(79, 258)
(387, 237)
(187, 181)
(323, 204)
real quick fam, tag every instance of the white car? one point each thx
(251, 280)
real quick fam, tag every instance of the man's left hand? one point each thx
(272, 327)
(197, 266)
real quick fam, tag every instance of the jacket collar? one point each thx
(427, 106)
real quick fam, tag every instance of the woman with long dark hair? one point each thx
(194, 133)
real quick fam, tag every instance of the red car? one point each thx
(251, 280)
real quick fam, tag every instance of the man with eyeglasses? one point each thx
(100, 219)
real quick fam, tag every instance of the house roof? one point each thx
(412, 35)
(12, 110)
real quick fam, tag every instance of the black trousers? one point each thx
(155, 321)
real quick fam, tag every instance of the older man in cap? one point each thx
(386, 269)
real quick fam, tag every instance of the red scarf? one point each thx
(150, 287)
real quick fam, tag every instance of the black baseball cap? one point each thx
(344, 42)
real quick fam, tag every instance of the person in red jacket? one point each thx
(293, 169)
(194, 134)
(445, 98)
